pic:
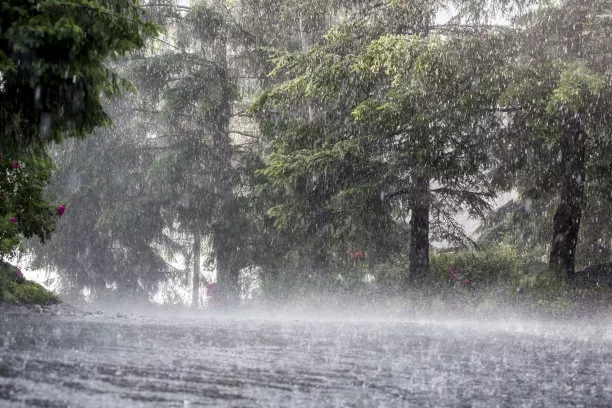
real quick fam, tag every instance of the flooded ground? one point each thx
(245, 362)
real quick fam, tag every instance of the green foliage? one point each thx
(497, 266)
(366, 112)
(555, 149)
(52, 59)
(165, 170)
(544, 285)
(96, 246)
(360, 100)
(25, 208)
(521, 224)
(15, 289)
(29, 292)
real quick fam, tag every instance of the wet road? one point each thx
(78, 362)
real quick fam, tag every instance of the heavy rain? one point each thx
(321, 203)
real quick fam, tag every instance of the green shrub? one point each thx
(498, 266)
(16, 289)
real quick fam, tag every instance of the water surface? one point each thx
(240, 362)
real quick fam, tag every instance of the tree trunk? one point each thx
(195, 294)
(419, 233)
(566, 222)
(225, 252)
(227, 276)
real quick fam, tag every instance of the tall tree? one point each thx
(112, 240)
(194, 85)
(398, 126)
(558, 98)
(171, 155)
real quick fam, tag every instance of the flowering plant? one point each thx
(357, 254)
(454, 276)
(24, 208)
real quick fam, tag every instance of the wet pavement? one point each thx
(98, 361)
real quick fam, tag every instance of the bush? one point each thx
(14, 288)
(476, 280)
(501, 273)
(498, 266)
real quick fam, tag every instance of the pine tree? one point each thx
(557, 142)
(398, 128)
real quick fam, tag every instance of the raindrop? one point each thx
(37, 94)
(527, 205)
(45, 124)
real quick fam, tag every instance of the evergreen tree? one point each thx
(398, 128)
(557, 141)
(112, 242)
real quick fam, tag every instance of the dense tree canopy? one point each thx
(392, 125)
(52, 60)
(321, 140)
(557, 143)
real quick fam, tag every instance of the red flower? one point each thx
(19, 273)
(15, 165)
(351, 255)
(465, 283)
(61, 209)
(454, 276)
(453, 269)
(13, 220)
